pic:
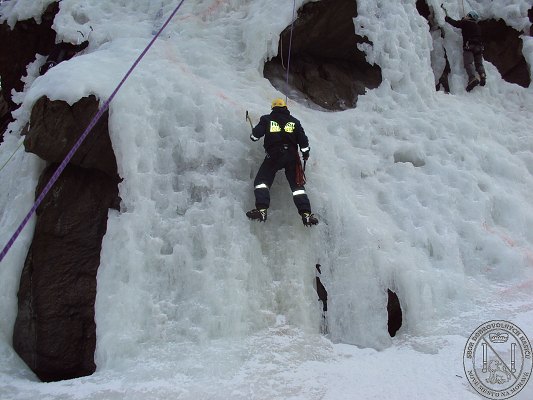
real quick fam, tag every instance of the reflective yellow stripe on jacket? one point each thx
(275, 128)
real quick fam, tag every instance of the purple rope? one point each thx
(290, 47)
(93, 122)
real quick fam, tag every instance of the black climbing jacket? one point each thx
(280, 130)
(470, 29)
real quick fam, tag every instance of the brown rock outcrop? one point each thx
(56, 126)
(55, 330)
(326, 65)
(503, 49)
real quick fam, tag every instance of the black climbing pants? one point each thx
(286, 158)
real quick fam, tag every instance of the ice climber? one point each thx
(283, 135)
(472, 48)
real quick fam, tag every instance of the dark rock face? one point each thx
(56, 126)
(325, 64)
(394, 311)
(55, 330)
(5, 117)
(503, 49)
(423, 9)
(26, 40)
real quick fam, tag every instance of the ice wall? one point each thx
(424, 193)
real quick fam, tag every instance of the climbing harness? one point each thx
(93, 122)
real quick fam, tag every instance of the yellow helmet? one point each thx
(278, 103)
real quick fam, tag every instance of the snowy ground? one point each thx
(279, 363)
(424, 193)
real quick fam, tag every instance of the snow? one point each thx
(418, 191)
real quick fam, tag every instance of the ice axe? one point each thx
(249, 119)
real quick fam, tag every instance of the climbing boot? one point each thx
(472, 84)
(309, 219)
(258, 214)
(482, 79)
